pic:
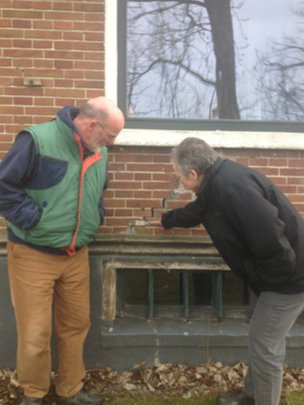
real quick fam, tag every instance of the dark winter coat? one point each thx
(255, 228)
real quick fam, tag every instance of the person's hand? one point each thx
(155, 223)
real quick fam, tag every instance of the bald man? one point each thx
(51, 194)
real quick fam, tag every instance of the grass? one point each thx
(293, 398)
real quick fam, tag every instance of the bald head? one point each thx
(106, 110)
(99, 119)
(109, 109)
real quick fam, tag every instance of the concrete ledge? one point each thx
(127, 342)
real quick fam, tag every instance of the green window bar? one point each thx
(185, 294)
(217, 297)
(218, 294)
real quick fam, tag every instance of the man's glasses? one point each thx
(109, 135)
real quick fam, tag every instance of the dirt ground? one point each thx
(161, 380)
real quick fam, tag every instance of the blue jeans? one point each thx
(273, 317)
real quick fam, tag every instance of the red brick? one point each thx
(21, 23)
(22, 53)
(62, 5)
(124, 176)
(23, 100)
(86, 26)
(26, 91)
(96, 7)
(142, 194)
(258, 162)
(91, 65)
(6, 22)
(59, 15)
(292, 172)
(43, 101)
(142, 176)
(42, 24)
(278, 162)
(4, 137)
(23, 14)
(142, 167)
(295, 180)
(65, 83)
(123, 213)
(43, 44)
(5, 62)
(22, 43)
(123, 222)
(126, 185)
(11, 33)
(160, 193)
(114, 203)
(63, 25)
(124, 193)
(74, 93)
(48, 111)
(72, 36)
(296, 162)
(269, 171)
(157, 185)
(116, 167)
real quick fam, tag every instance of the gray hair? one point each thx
(194, 154)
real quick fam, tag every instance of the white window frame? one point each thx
(159, 137)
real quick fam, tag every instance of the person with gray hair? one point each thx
(260, 235)
(194, 154)
(51, 194)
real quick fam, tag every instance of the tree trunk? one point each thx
(222, 34)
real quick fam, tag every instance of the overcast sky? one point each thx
(269, 19)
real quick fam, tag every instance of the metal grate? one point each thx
(119, 290)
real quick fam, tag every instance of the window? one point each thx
(228, 64)
(180, 294)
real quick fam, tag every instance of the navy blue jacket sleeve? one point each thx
(102, 211)
(15, 171)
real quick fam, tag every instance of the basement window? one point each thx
(180, 294)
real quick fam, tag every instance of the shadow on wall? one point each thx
(8, 338)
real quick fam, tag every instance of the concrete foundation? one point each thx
(123, 343)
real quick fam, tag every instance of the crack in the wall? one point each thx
(154, 213)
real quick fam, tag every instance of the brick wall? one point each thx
(142, 185)
(51, 55)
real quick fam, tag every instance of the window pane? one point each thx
(215, 59)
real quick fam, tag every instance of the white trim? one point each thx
(141, 137)
(111, 51)
(224, 139)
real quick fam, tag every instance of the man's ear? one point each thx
(193, 174)
(92, 124)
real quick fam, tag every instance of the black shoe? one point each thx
(235, 399)
(31, 401)
(81, 398)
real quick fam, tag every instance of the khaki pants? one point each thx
(38, 281)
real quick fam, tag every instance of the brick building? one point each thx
(56, 53)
